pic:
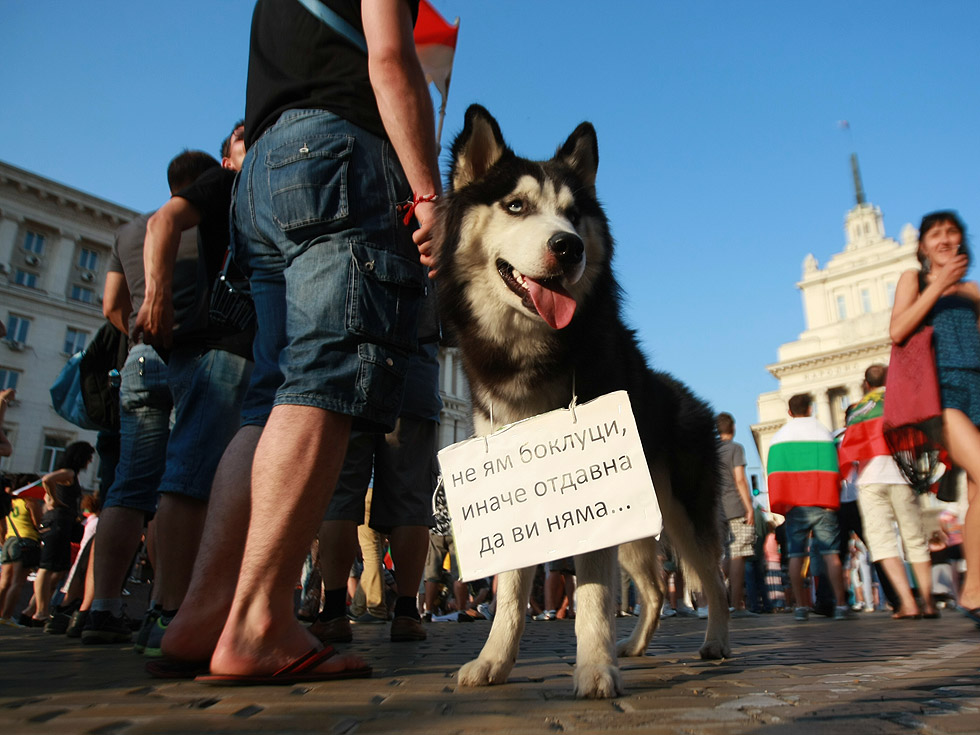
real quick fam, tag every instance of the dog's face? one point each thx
(528, 238)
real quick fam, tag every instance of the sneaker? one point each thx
(427, 617)
(58, 623)
(667, 611)
(11, 623)
(149, 620)
(79, 620)
(335, 630)
(546, 615)
(702, 612)
(743, 613)
(368, 619)
(484, 609)
(842, 612)
(104, 627)
(405, 628)
(801, 613)
(155, 638)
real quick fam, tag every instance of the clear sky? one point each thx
(721, 160)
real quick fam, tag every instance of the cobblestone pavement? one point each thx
(869, 675)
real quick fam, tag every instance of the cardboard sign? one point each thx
(555, 485)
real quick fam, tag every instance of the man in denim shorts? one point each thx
(336, 278)
(204, 381)
(804, 485)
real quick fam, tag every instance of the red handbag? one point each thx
(913, 420)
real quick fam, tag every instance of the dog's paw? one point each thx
(712, 650)
(597, 681)
(481, 672)
(628, 648)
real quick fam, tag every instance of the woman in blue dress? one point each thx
(938, 295)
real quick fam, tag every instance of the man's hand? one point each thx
(750, 517)
(155, 322)
(426, 213)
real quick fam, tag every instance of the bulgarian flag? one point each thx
(802, 467)
(435, 44)
(864, 437)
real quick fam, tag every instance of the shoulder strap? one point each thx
(334, 21)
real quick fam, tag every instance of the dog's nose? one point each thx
(567, 247)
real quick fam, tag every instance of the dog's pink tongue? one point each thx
(555, 305)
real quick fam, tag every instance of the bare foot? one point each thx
(193, 634)
(241, 652)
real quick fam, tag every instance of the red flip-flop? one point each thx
(302, 670)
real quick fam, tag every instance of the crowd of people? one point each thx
(244, 436)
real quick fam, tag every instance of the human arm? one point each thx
(405, 106)
(50, 482)
(155, 320)
(911, 306)
(116, 304)
(6, 396)
(742, 485)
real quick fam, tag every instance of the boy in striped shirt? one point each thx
(804, 486)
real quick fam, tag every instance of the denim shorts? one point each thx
(822, 521)
(144, 426)
(960, 389)
(334, 272)
(404, 466)
(207, 390)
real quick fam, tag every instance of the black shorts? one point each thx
(56, 528)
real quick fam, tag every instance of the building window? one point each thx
(866, 300)
(839, 402)
(34, 243)
(890, 289)
(74, 341)
(8, 378)
(841, 307)
(54, 450)
(83, 294)
(25, 278)
(88, 260)
(18, 328)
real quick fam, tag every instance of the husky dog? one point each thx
(527, 290)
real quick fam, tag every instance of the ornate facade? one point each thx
(846, 307)
(55, 244)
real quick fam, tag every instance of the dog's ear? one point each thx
(477, 148)
(581, 153)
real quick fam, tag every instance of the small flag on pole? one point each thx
(435, 44)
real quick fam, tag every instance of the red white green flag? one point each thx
(864, 437)
(802, 467)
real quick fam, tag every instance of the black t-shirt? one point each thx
(297, 62)
(210, 195)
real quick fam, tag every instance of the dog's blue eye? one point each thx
(515, 206)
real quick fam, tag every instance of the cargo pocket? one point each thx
(381, 377)
(308, 180)
(383, 296)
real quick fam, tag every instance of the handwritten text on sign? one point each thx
(555, 485)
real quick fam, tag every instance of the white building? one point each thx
(846, 308)
(55, 243)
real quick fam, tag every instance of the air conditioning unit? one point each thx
(14, 344)
(88, 276)
(32, 259)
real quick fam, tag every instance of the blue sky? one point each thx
(721, 161)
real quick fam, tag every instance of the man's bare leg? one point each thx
(179, 526)
(297, 465)
(193, 633)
